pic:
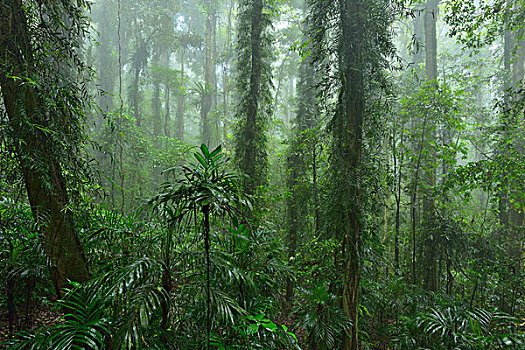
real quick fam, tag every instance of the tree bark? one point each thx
(208, 100)
(248, 149)
(182, 100)
(157, 118)
(42, 173)
(431, 263)
(348, 148)
(300, 199)
(419, 38)
(105, 62)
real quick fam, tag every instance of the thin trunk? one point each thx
(206, 212)
(397, 195)
(10, 292)
(315, 189)
(167, 115)
(157, 118)
(136, 78)
(413, 199)
(516, 216)
(182, 99)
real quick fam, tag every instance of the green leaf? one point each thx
(200, 159)
(216, 151)
(205, 151)
(252, 329)
(272, 327)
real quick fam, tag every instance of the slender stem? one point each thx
(121, 104)
(206, 212)
(414, 194)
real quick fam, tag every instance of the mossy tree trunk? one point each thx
(42, 172)
(347, 133)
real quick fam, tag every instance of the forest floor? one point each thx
(41, 315)
(46, 315)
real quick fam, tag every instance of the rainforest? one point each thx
(262, 174)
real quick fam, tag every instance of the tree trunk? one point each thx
(431, 12)
(299, 201)
(182, 100)
(253, 104)
(208, 104)
(157, 118)
(398, 167)
(106, 63)
(226, 73)
(249, 148)
(167, 115)
(429, 176)
(136, 78)
(419, 39)
(515, 216)
(206, 227)
(347, 155)
(45, 184)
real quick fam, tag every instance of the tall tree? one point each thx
(29, 78)
(209, 102)
(509, 148)
(253, 89)
(186, 40)
(299, 151)
(362, 39)
(106, 63)
(181, 104)
(418, 38)
(167, 34)
(429, 176)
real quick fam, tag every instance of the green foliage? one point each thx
(143, 160)
(253, 89)
(205, 183)
(455, 327)
(194, 270)
(116, 308)
(321, 316)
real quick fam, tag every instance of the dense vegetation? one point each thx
(262, 174)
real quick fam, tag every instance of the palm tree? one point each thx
(205, 189)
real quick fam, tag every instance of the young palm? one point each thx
(205, 188)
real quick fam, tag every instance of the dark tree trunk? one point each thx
(248, 148)
(42, 173)
(299, 201)
(206, 226)
(253, 105)
(347, 154)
